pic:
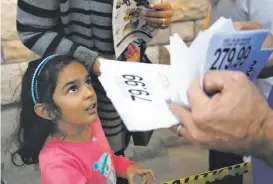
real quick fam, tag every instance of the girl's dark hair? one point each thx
(33, 130)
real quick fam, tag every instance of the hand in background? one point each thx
(96, 66)
(252, 25)
(160, 15)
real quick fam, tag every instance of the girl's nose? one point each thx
(89, 92)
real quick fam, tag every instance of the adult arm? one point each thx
(39, 29)
(267, 155)
(236, 119)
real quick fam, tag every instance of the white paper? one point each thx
(144, 108)
(139, 91)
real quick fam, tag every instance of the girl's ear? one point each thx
(41, 110)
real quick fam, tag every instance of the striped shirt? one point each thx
(82, 28)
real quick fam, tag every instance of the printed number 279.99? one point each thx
(226, 56)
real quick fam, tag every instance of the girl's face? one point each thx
(75, 96)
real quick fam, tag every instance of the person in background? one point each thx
(247, 15)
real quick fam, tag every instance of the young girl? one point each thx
(60, 129)
(83, 28)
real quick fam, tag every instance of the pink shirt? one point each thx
(89, 162)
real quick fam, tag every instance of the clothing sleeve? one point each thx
(121, 164)
(62, 172)
(40, 29)
(261, 11)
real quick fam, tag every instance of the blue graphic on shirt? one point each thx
(104, 165)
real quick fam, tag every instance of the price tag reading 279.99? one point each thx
(137, 88)
(235, 51)
(230, 58)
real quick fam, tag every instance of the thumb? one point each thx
(214, 81)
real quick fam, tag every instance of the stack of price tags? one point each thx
(139, 91)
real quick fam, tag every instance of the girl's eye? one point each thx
(72, 89)
(88, 81)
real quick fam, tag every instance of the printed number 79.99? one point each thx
(136, 81)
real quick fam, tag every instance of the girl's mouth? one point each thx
(91, 108)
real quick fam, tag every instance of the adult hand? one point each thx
(160, 15)
(247, 25)
(234, 119)
(96, 66)
(252, 25)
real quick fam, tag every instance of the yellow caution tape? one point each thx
(219, 174)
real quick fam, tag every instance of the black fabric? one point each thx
(220, 159)
(266, 73)
(39, 12)
(141, 138)
(122, 180)
(53, 45)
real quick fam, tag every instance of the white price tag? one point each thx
(138, 91)
(239, 51)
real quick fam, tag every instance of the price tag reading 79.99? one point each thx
(138, 89)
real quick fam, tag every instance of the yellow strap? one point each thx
(219, 174)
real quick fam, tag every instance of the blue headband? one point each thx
(37, 71)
